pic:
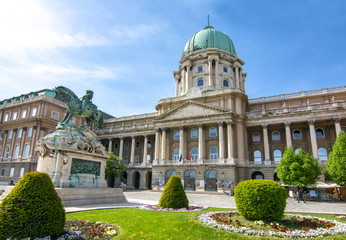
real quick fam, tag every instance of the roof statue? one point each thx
(81, 107)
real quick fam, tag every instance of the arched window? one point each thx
(225, 83)
(194, 153)
(257, 157)
(213, 153)
(297, 134)
(200, 69)
(15, 152)
(276, 178)
(116, 145)
(210, 174)
(11, 172)
(256, 137)
(29, 133)
(277, 155)
(138, 144)
(170, 173)
(276, 136)
(176, 154)
(212, 132)
(149, 158)
(320, 133)
(194, 133)
(26, 151)
(7, 152)
(323, 154)
(126, 145)
(200, 83)
(257, 175)
(2, 173)
(10, 134)
(176, 135)
(149, 144)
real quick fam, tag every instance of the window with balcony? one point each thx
(194, 153)
(176, 154)
(257, 155)
(213, 153)
(323, 154)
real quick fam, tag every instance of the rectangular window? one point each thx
(225, 69)
(1, 136)
(14, 115)
(11, 172)
(23, 113)
(10, 134)
(55, 115)
(200, 69)
(19, 133)
(6, 117)
(34, 112)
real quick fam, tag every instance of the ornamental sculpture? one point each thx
(81, 107)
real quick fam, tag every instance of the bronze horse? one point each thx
(80, 107)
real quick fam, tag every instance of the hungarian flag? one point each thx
(190, 157)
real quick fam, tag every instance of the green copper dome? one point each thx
(209, 37)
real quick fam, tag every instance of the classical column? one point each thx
(266, 142)
(110, 143)
(14, 136)
(163, 144)
(241, 142)
(210, 80)
(121, 147)
(230, 150)
(33, 140)
(288, 134)
(221, 141)
(313, 138)
(181, 142)
(157, 135)
(337, 126)
(145, 150)
(188, 81)
(217, 73)
(133, 145)
(236, 71)
(177, 77)
(4, 143)
(200, 142)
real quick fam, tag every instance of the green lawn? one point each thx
(135, 223)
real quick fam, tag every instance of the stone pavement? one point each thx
(218, 200)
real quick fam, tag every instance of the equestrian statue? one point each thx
(81, 107)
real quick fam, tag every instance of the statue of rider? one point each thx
(86, 99)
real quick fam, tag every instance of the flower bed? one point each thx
(191, 208)
(292, 226)
(85, 230)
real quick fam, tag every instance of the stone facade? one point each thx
(212, 135)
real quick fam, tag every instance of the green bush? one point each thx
(32, 209)
(173, 195)
(260, 200)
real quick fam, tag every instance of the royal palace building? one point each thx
(210, 134)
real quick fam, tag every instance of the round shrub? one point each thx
(32, 209)
(173, 195)
(260, 200)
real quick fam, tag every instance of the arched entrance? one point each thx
(168, 174)
(190, 180)
(123, 178)
(257, 175)
(210, 180)
(137, 178)
(149, 179)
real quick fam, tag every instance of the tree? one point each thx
(336, 164)
(173, 195)
(114, 167)
(298, 169)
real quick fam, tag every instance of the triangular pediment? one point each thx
(191, 109)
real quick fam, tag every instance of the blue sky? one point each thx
(126, 51)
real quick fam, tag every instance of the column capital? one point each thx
(181, 127)
(145, 135)
(311, 121)
(157, 129)
(133, 137)
(336, 119)
(229, 122)
(265, 125)
(287, 123)
(220, 123)
(163, 129)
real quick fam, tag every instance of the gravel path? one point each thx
(220, 200)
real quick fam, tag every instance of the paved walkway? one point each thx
(219, 200)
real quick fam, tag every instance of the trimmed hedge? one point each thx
(32, 209)
(260, 200)
(173, 195)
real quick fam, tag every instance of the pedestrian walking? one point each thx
(300, 195)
